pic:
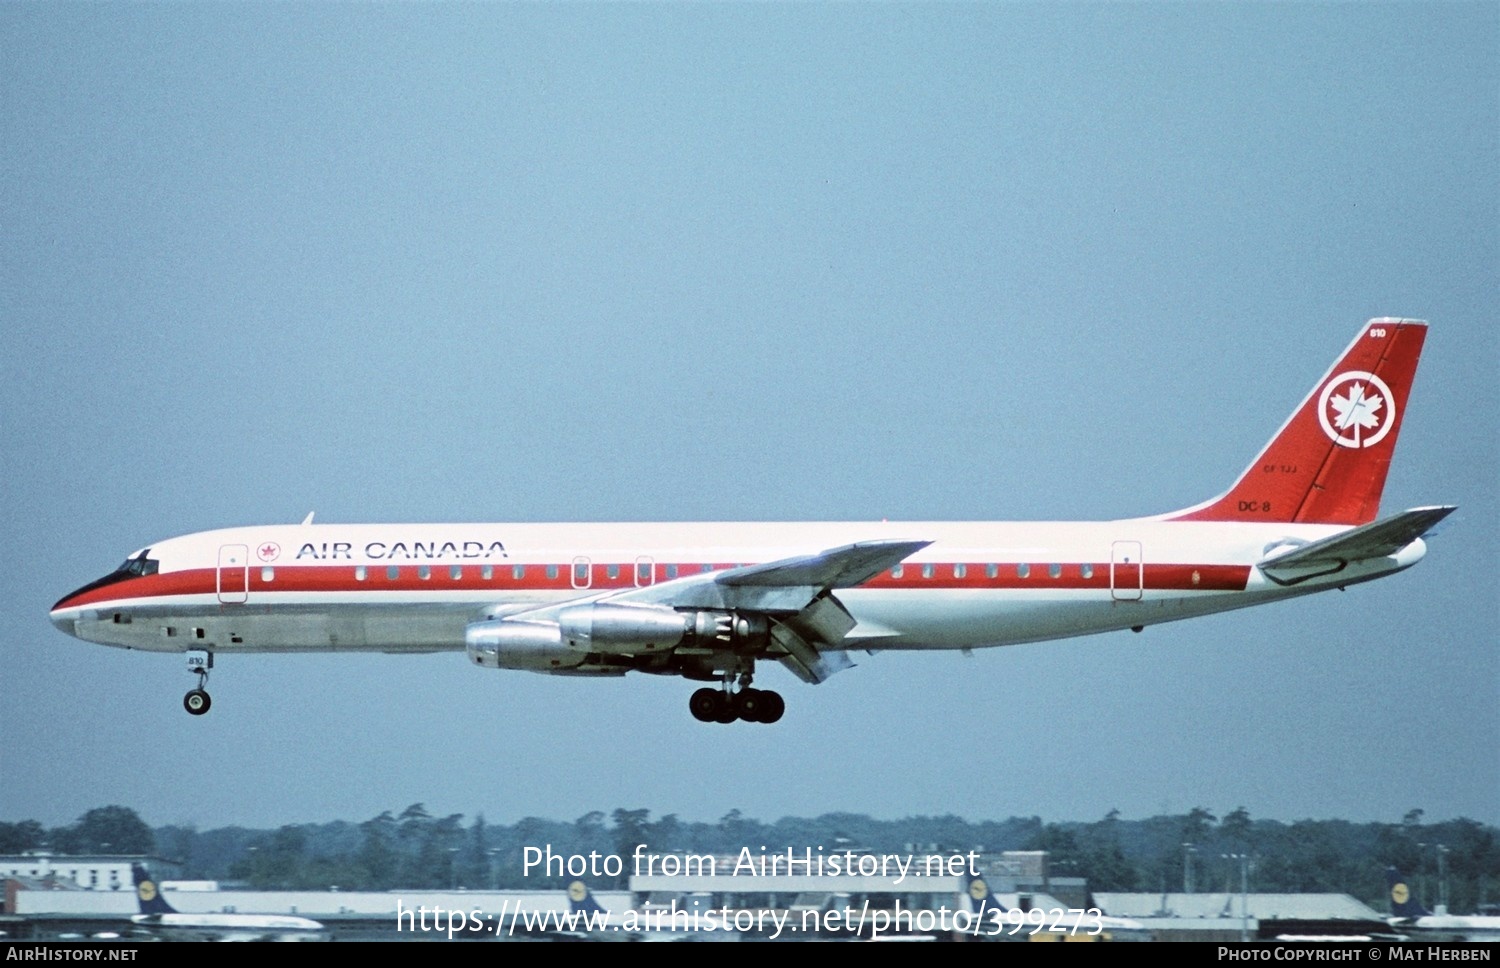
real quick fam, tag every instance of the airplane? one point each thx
(709, 601)
(995, 922)
(1410, 916)
(167, 923)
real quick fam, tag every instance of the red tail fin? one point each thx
(1327, 465)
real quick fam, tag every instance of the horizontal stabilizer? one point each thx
(1375, 540)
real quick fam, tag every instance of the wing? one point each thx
(785, 610)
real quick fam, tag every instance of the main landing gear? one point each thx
(709, 705)
(197, 700)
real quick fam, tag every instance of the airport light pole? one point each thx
(1187, 867)
(1244, 860)
(1442, 856)
(1422, 873)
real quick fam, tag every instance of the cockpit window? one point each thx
(134, 567)
(139, 566)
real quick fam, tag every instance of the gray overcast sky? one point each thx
(528, 262)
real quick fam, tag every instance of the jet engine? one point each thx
(609, 629)
(507, 643)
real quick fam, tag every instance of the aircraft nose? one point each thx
(65, 612)
(62, 619)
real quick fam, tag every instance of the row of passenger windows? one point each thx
(644, 571)
(1023, 570)
(114, 875)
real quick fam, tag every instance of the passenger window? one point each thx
(551, 571)
(1086, 571)
(392, 572)
(518, 572)
(423, 572)
(456, 572)
(926, 571)
(896, 571)
(1023, 570)
(487, 572)
(359, 572)
(959, 571)
(671, 571)
(1055, 570)
(613, 571)
(268, 574)
(992, 571)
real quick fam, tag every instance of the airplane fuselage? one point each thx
(415, 587)
(231, 927)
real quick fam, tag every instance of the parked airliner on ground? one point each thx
(1409, 916)
(996, 922)
(709, 601)
(165, 922)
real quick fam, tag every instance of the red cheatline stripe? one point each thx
(943, 575)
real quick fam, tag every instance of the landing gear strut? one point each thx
(709, 705)
(198, 700)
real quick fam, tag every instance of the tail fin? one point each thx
(581, 901)
(146, 893)
(1403, 905)
(1327, 464)
(980, 898)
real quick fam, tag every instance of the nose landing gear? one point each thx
(198, 700)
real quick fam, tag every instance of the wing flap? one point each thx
(805, 661)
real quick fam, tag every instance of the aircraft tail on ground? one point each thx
(981, 900)
(581, 900)
(1403, 904)
(1328, 463)
(147, 895)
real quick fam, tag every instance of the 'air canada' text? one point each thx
(408, 550)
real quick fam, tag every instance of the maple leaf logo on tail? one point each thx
(1358, 409)
(1353, 409)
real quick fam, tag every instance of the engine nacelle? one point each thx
(511, 644)
(621, 629)
(615, 629)
(609, 629)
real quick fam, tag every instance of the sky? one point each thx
(577, 262)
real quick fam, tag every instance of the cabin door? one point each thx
(1126, 575)
(234, 574)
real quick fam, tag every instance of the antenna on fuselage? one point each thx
(308, 519)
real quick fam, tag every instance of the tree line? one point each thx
(416, 849)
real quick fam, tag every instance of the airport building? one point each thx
(752, 894)
(86, 872)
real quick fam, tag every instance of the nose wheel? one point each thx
(198, 700)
